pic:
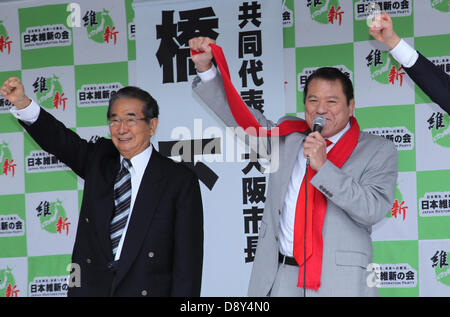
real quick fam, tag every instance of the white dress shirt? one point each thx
(404, 54)
(139, 162)
(208, 74)
(287, 218)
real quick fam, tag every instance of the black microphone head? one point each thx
(319, 122)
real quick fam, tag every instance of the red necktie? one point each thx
(316, 200)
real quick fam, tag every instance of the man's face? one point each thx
(130, 140)
(328, 99)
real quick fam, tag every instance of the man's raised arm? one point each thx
(430, 78)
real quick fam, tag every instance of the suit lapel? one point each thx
(150, 191)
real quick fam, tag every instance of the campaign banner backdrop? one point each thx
(233, 185)
(72, 56)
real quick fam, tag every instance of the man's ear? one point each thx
(351, 105)
(153, 125)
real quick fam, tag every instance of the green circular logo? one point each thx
(380, 72)
(49, 219)
(319, 12)
(46, 98)
(96, 32)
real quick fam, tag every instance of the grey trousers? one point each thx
(285, 284)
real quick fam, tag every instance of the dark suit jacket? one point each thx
(163, 249)
(432, 80)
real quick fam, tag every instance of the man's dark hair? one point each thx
(331, 74)
(150, 110)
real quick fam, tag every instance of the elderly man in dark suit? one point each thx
(430, 78)
(140, 231)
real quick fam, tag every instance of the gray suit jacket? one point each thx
(358, 195)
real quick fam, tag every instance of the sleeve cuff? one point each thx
(208, 75)
(405, 54)
(29, 114)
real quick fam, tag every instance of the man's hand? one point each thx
(13, 90)
(202, 61)
(382, 29)
(315, 148)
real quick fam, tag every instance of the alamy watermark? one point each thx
(232, 140)
(74, 18)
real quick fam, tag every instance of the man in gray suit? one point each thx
(358, 194)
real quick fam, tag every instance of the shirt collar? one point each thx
(335, 138)
(139, 162)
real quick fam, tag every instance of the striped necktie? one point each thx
(122, 200)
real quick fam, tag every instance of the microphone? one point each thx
(319, 123)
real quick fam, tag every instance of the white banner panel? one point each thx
(233, 189)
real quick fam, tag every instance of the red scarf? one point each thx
(317, 203)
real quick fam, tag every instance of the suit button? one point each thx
(151, 254)
(86, 219)
(88, 260)
(144, 293)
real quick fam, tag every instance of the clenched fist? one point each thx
(315, 148)
(382, 29)
(202, 61)
(13, 90)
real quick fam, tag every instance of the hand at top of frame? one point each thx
(202, 61)
(382, 29)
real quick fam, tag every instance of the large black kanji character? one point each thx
(250, 43)
(173, 45)
(252, 217)
(187, 149)
(253, 156)
(253, 99)
(250, 12)
(253, 190)
(253, 69)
